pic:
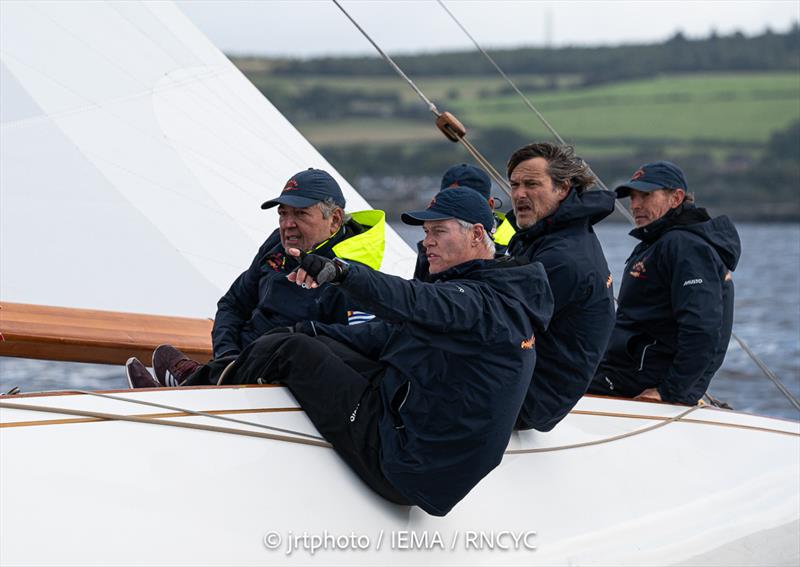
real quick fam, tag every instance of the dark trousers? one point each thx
(610, 383)
(336, 386)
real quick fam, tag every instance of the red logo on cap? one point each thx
(453, 184)
(637, 174)
(432, 203)
(291, 185)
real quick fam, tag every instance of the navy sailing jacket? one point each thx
(261, 298)
(568, 353)
(459, 355)
(675, 309)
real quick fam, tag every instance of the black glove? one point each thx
(322, 269)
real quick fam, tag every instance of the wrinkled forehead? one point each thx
(431, 224)
(531, 168)
(294, 210)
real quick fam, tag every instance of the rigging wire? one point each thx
(761, 365)
(446, 122)
(617, 205)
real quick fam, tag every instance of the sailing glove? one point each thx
(322, 269)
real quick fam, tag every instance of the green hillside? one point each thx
(726, 109)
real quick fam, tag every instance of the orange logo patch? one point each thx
(527, 344)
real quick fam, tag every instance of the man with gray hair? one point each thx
(312, 219)
(554, 215)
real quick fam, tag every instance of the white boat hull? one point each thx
(716, 487)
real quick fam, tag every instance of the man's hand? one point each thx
(651, 394)
(315, 270)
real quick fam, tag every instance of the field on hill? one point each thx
(735, 133)
(722, 113)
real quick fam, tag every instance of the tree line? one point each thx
(735, 52)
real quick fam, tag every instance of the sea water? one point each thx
(767, 318)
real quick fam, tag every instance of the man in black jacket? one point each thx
(311, 218)
(675, 310)
(420, 402)
(554, 215)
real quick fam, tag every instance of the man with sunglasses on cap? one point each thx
(675, 310)
(421, 401)
(470, 177)
(311, 218)
(555, 213)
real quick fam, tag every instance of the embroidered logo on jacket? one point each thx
(527, 344)
(638, 270)
(695, 281)
(276, 261)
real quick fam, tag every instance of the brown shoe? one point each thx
(138, 376)
(171, 366)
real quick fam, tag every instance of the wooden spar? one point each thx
(105, 337)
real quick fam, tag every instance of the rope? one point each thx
(617, 205)
(761, 365)
(153, 421)
(498, 178)
(198, 413)
(607, 439)
(314, 441)
(390, 61)
(767, 372)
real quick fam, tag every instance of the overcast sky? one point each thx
(316, 27)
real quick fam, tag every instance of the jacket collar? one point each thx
(682, 215)
(589, 207)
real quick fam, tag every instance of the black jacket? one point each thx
(261, 298)
(675, 310)
(459, 355)
(569, 352)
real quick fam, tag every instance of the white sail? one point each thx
(133, 160)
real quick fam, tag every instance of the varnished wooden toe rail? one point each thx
(106, 337)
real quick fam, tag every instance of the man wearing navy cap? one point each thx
(311, 218)
(675, 310)
(421, 401)
(470, 177)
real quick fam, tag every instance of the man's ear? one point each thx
(477, 234)
(336, 220)
(563, 189)
(676, 198)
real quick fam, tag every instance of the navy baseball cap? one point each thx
(464, 175)
(462, 203)
(308, 188)
(652, 177)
